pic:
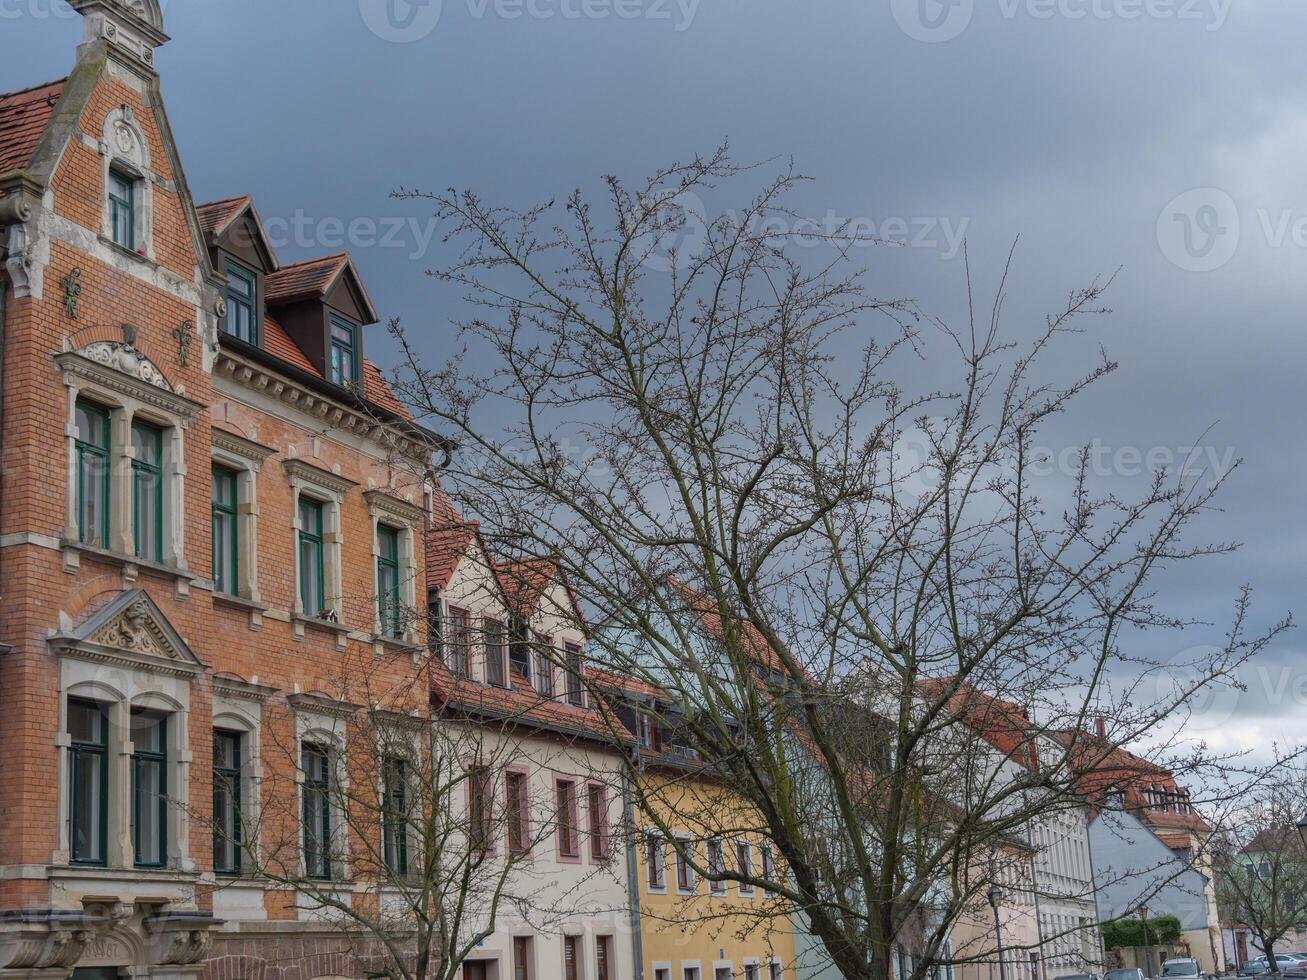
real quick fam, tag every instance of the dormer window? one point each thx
(122, 209)
(242, 292)
(344, 352)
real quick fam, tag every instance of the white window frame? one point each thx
(120, 690)
(238, 707)
(330, 489)
(124, 148)
(408, 519)
(320, 720)
(127, 385)
(654, 837)
(245, 458)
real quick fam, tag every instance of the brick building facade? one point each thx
(211, 518)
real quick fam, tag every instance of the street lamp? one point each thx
(995, 896)
(1148, 947)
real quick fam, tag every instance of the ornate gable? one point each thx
(131, 628)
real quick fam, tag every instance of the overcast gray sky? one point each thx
(1162, 137)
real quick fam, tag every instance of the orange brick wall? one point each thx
(34, 588)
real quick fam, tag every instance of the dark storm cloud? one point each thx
(1160, 138)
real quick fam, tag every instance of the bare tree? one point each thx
(380, 813)
(715, 442)
(1260, 863)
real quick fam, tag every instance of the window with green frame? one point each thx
(344, 352)
(226, 802)
(88, 782)
(242, 295)
(395, 823)
(388, 604)
(315, 762)
(226, 533)
(92, 474)
(312, 589)
(147, 490)
(149, 788)
(122, 209)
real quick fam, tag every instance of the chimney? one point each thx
(1100, 727)
(129, 31)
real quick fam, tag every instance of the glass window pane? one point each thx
(86, 722)
(87, 806)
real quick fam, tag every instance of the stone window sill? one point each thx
(131, 565)
(254, 609)
(123, 250)
(299, 622)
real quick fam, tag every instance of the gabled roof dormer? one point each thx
(323, 306)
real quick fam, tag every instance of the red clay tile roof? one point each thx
(304, 280)
(278, 343)
(1002, 724)
(379, 392)
(215, 216)
(23, 118)
(447, 540)
(522, 705)
(524, 582)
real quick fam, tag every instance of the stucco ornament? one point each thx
(128, 360)
(133, 631)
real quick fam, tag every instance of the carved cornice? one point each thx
(314, 403)
(240, 446)
(317, 476)
(97, 654)
(180, 939)
(402, 510)
(77, 365)
(321, 704)
(43, 939)
(237, 687)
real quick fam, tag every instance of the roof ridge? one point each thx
(34, 88)
(321, 258)
(225, 200)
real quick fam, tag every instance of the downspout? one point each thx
(4, 285)
(633, 869)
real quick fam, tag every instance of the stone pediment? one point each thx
(130, 627)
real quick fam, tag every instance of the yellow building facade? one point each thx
(696, 929)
